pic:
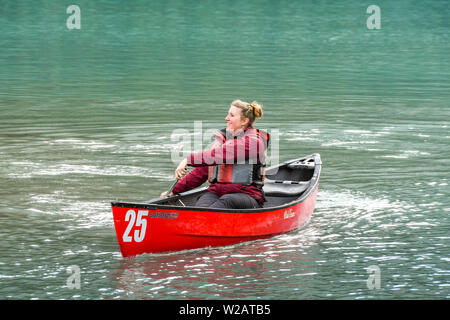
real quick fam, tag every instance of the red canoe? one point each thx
(173, 223)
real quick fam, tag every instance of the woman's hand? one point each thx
(164, 194)
(180, 171)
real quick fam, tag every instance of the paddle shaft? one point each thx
(171, 188)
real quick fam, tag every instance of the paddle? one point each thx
(171, 188)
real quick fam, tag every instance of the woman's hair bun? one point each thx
(257, 109)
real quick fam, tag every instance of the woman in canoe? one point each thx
(234, 165)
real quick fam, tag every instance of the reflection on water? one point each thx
(248, 271)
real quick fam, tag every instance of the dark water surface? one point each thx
(87, 117)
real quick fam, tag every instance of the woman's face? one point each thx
(234, 120)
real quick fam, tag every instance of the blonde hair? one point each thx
(251, 111)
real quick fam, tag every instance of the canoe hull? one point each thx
(146, 228)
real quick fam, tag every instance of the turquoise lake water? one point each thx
(87, 117)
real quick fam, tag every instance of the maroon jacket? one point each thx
(246, 145)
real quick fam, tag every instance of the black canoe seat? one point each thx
(273, 188)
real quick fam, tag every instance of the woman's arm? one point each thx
(194, 179)
(248, 147)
